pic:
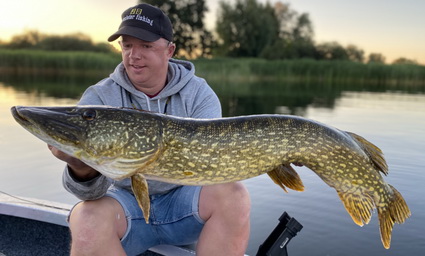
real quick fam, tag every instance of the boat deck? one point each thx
(38, 227)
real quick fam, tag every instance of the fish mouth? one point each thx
(46, 123)
(21, 119)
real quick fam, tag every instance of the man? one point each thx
(109, 220)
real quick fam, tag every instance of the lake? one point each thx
(391, 117)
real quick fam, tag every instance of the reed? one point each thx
(310, 71)
(54, 62)
(225, 70)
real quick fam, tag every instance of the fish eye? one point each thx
(89, 115)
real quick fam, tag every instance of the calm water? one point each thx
(392, 119)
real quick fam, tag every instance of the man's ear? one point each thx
(171, 49)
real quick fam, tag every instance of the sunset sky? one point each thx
(393, 28)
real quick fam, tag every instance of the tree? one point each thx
(331, 51)
(376, 58)
(405, 61)
(249, 28)
(246, 28)
(35, 40)
(26, 40)
(354, 53)
(190, 36)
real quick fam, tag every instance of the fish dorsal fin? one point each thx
(285, 175)
(375, 154)
(141, 192)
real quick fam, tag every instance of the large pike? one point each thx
(122, 143)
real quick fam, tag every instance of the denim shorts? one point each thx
(174, 219)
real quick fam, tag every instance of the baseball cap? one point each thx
(144, 22)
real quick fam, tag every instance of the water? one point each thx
(393, 120)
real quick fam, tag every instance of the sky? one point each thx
(394, 28)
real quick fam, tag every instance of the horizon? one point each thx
(391, 28)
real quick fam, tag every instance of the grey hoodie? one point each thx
(185, 95)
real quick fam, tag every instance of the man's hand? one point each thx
(78, 169)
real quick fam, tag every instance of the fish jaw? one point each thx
(107, 139)
(42, 123)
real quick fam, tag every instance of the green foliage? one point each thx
(331, 51)
(309, 71)
(40, 61)
(376, 58)
(35, 40)
(250, 29)
(246, 28)
(190, 36)
(405, 61)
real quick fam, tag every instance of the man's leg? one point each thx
(97, 227)
(225, 208)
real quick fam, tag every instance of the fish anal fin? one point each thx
(285, 175)
(397, 211)
(141, 192)
(375, 154)
(359, 206)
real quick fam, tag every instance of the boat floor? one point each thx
(38, 227)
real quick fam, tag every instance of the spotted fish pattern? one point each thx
(123, 143)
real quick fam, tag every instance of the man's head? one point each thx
(144, 22)
(147, 46)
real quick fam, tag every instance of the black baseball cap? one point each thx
(145, 22)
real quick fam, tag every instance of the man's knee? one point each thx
(230, 199)
(239, 200)
(89, 218)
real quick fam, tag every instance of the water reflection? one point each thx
(292, 98)
(239, 98)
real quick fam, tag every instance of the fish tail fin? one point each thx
(397, 211)
(359, 206)
(141, 192)
(285, 175)
(375, 154)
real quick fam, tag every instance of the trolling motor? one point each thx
(276, 242)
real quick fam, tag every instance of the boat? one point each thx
(30, 226)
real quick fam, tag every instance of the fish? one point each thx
(128, 143)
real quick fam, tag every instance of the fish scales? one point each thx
(122, 143)
(200, 152)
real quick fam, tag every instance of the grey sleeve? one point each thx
(87, 190)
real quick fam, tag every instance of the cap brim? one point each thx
(135, 32)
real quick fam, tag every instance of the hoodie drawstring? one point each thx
(148, 103)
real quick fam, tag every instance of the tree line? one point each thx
(248, 28)
(35, 40)
(244, 28)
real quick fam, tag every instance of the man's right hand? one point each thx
(78, 169)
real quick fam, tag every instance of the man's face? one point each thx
(146, 63)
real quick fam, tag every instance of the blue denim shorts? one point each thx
(174, 219)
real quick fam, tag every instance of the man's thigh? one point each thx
(174, 218)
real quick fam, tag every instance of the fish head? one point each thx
(97, 135)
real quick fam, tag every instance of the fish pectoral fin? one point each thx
(359, 206)
(285, 175)
(375, 154)
(139, 186)
(397, 211)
